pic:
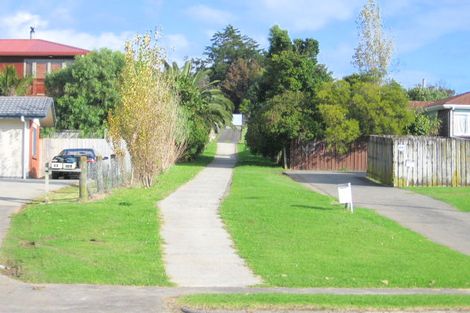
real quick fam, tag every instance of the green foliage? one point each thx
(240, 79)
(430, 93)
(284, 117)
(285, 110)
(228, 46)
(341, 130)
(86, 91)
(11, 84)
(205, 106)
(424, 124)
(359, 107)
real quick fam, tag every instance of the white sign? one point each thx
(237, 119)
(401, 148)
(409, 163)
(345, 195)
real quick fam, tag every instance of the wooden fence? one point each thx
(314, 155)
(419, 161)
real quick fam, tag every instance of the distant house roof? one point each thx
(419, 104)
(37, 47)
(41, 108)
(458, 101)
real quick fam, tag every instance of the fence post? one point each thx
(83, 178)
(99, 174)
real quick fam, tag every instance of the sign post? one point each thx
(46, 181)
(345, 195)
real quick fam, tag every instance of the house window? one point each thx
(461, 124)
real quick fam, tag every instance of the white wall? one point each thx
(52, 147)
(11, 146)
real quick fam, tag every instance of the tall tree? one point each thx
(205, 106)
(227, 46)
(241, 76)
(147, 117)
(374, 50)
(86, 91)
(285, 110)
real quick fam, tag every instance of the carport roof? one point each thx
(29, 107)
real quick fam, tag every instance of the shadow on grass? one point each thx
(313, 207)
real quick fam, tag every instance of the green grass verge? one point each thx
(293, 237)
(459, 197)
(296, 301)
(111, 241)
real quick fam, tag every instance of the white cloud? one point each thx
(422, 29)
(338, 59)
(209, 15)
(305, 15)
(176, 41)
(17, 26)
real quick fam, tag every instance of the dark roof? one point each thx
(37, 47)
(463, 98)
(29, 107)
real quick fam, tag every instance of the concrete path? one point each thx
(434, 219)
(198, 250)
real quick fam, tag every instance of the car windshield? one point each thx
(78, 152)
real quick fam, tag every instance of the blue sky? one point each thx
(431, 37)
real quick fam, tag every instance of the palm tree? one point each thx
(11, 84)
(200, 95)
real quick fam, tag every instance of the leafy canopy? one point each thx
(86, 91)
(11, 84)
(205, 107)
(355, 108)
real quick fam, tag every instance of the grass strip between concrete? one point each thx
(262, 301)
(293, 237)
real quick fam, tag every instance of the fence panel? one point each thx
(314, 155)
(419, 161)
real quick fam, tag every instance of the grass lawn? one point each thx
(296, 301)
(458, 197)
(293, 237)
(112, 241)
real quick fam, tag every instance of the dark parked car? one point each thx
(67, 162)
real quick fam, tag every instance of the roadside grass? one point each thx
(458, 197)
(263, 301)
(293, 237)
(115, 240)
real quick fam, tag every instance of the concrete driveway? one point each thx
(434, 219)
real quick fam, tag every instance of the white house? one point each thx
(20, 121)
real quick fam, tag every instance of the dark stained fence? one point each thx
(419, 161)
(314, 155)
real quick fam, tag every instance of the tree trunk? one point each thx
(284, 157)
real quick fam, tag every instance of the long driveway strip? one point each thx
(198, 250)
(434, 219)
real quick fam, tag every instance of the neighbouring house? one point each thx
(36, 58)
(20, 122)
(454, 114)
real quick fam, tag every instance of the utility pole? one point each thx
(31, 32)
